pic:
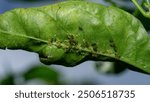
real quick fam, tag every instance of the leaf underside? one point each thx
(71, 32)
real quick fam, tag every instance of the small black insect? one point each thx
(52, 40)
(80, 28)
(72, 40)
(94, 46)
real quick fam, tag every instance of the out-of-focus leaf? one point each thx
(69, 33)
(8, 80)
(146, 3)
(43, 73)
(110, 67)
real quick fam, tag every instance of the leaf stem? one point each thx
(136, 12)
(144, 13)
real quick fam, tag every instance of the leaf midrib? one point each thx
(65, 46)
(23, 36)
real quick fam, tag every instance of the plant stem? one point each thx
(145, 13)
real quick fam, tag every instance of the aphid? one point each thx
(94, 46)
(72, 40)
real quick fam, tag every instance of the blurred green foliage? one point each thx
(44, 73)
(8, 80)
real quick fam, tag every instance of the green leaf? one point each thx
(71, 32)
(44, 73)
(8, 80)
